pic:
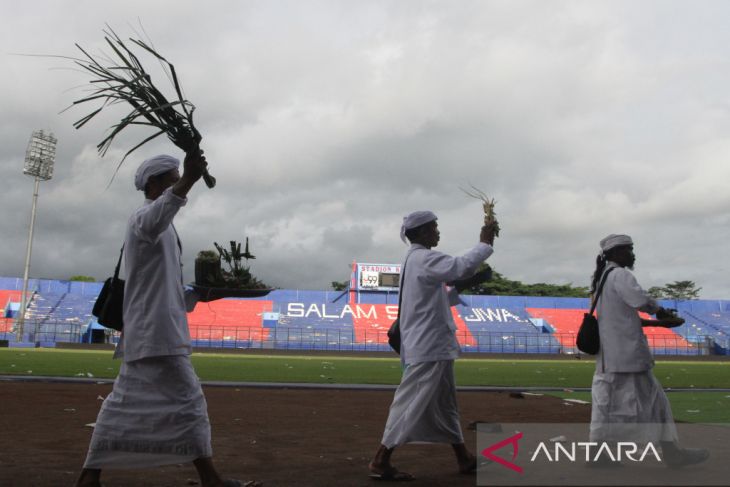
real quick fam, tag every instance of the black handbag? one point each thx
(588, 339)
(108, 307)
(394, 330)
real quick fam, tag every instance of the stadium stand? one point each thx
(501, 329)
(314, 325)
(54, 317)
(8, 302)
(296, 319)
(714, 324)
(229, 322)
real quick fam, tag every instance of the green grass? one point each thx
(356, 370)
(567, 374)
(690, 407)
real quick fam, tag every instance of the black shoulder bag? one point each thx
(394, 330)
(109, 303)
(588, 340)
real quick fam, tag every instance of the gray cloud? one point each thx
(325, 122)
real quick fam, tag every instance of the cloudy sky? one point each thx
(326, 121)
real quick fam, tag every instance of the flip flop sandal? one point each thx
(393, 476)
(238, 483)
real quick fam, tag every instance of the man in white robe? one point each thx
(628, 402)
(156, 413)
(424, 408)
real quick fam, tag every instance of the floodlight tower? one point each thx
(39, 159)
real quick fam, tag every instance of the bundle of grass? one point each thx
(121, 78)
(490, 217)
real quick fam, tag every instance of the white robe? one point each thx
(424, 408)
(155, 415)
(630, 406)
(628, 402)
(428, 331)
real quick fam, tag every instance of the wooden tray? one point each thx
(212, 293)
(665, 323)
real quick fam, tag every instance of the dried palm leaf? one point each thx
(123, 79)
(490, 217)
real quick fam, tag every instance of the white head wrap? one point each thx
(153, 167)
(614, 240)
(415, 219)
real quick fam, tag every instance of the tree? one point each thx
(81, 278)
(677, 291)
(340, 285)
(500, 285)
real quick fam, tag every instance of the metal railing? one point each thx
(346, 339)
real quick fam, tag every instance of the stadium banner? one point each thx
(561, 454)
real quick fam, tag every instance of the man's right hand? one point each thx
(193, 167)
(487, 234)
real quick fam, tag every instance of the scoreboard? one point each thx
(376, 277)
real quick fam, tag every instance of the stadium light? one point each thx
(39, 159)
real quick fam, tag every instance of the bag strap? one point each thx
(402, 281)
(600, 288)
(119, 263)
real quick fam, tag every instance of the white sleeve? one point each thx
(153, 219)
(631, 292)
(439, 267)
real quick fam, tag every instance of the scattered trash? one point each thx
(567, 404)
(70, 410)
(349, 459)
(12, 365)
(577, 401)
(559, 439)
(90, 425)
(28, 371)
(568, 390)
(693, 410)
(99, 398)
(253, 442)
(80, 374)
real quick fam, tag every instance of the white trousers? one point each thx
(424, 408)
(155, 415)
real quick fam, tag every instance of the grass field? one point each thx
(565, 374)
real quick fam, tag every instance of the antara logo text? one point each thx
(569, 451)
